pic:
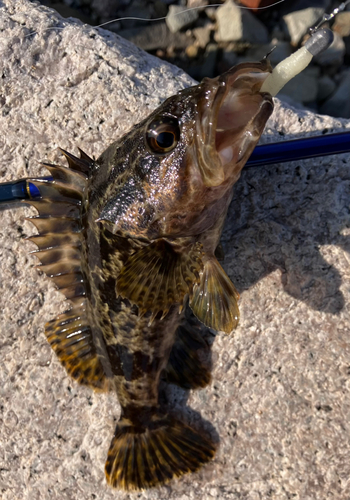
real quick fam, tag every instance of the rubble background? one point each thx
(209, 41)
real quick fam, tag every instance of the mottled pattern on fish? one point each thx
(130, 241)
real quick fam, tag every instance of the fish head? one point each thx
(172, 175)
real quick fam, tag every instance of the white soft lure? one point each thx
(297, 62)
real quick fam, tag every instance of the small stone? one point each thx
(161, 53)
(179, 18)
(211, 13)
(196, 3)
(342, 24)
(326, 87)
(297, 23)
(303, 87)
(339, 103)
(334, 55)
(10, 419)
(237, 24)
(202, 35)
(171, 51)
(191, 51)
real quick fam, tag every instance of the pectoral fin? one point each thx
(158, 275)
(214, 300)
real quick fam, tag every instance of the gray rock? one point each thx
(297, 23)
(326, 87)
(202, 34)
(211, 13)
(190, 4)
(235, 24)
(156, 36)
(304, 87)
(279, 401)
(334, 55)
(179, 18)
(339, 103)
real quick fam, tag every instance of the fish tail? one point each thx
(148, 455)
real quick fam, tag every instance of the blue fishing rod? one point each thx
(265, 154)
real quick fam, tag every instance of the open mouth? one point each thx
(232, 113)
(241, 117)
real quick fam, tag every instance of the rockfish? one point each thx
(130, 240)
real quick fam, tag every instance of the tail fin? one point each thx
(140, 458)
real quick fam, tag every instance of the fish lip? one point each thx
(239, 87)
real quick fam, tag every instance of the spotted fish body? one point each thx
(130, 240)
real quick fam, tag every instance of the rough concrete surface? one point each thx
(279, 400)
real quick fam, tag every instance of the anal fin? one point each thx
(214, 300)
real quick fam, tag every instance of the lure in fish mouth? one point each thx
(129, 239)
(231, 120)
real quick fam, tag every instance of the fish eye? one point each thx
(162, 135)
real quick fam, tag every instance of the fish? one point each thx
(130, 241)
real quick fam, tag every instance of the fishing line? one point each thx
(263, 155)
(199, 7)
(329, 17)
(325, 18)
(144, 19)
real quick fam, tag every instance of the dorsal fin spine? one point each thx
(59, 248)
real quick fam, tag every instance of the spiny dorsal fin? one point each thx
(214, 300)
(54, 225)
(53, 240)
(82, 164)
(84, 156)
(62, 209)
(60, 240)
(67, 176)
(157, 276)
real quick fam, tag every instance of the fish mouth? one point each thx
(239, 112)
